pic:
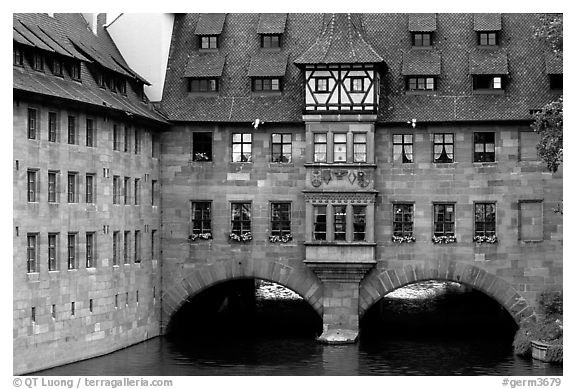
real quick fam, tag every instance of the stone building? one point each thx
(340, 155)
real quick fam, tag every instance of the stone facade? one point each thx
(101, 322)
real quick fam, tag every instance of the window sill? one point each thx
(488, 47)
(72, 270)
(431, 47)
(33, 277)
(488, 91)
(271, 49)
(266, 93)
(420, 92)
(485, 163)
(333, 243)
(211, 50)
(281, 164)
(203, 94)
(340, 164)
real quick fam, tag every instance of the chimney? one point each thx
(95, 21)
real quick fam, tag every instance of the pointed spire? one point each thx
(340, 42)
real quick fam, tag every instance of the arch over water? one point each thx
(188, 282)
(378, 284)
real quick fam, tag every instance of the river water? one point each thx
(442, 339)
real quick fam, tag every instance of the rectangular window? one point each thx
(241, 218)
(556, 81)
(280, 216)
(101, 80)
(202, 146)
(531, 221)
(32, 253)
(270, 41)
(484, 219)
(154, 192)
(420, 83)
(203, 85)
(38, 62)
(137, 141)
(153, 244)
(201, 217)
(266, 84)
(52, 187)
(339, 147)
(57, 67)
(339, 222)
(359, 146)
(421, 39)
(241, 147)
(126, 247)
(321, 84)
(72, 308)
(126, 191)
(359, 222)
(72, 179)
(320, 147)
(18, 55)
(116, 190)
(115, 247)
(136, 191)
(91, 304)
(320, 222)
(53, 311)
(33, 314)
(481, 82)
(121, 85)
(403, 220)
(356, 84)
(484, 149)
(528, 142)
(488, 38)
(75, 70)
(282, 148)
(90, 133)
(90, 249)
(444, 219)
(116, 137)
(209, 42)
(443, 148)
(52, 126)
(403, 148)
(137, 242)
(32, 123)
(72, 130)
(126, 139)
(32, 186)
(52, 252)
(89, 188)
(71, 251)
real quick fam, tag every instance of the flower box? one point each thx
(490, 239)
(204, 236)
(280, 238)
(245, 237)
(403, 239)
(443, 239)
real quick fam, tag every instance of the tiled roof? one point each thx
(55, 35)
(487, 22)
(210, 24)
(205, 65)
(340, 42)
(528, 87)
(267, 65)
(271, 24)
(554, 63)
(421, 63)
(422, 22)
(488, 61)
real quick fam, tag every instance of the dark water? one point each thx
(299, 356)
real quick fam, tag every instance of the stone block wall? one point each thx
(101, 322)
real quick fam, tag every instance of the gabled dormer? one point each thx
(208, 30)
(422, 28)
(271, 30)
(487, 28)
(340, 69)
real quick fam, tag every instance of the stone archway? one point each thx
(185, 283)
(377, 284)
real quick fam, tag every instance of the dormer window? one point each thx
(101, 80)
(57, 67)
(18, 55)
(488, 38)
(272, 84)
(270, 41)
(75, 70)
(203, 85)
(483, 82)
(121, 85)
(38, 61)
(209, 42)
(421, 39)
(420, 83)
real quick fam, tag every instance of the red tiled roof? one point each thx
(554, 63)
(421, 63)
(205, 65)
(422, 22)
(210, 24)
(340, 42)
(488, 61)
(271, 24)
(487, 22)
(267, 65)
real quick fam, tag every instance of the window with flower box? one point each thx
(403, 222)
(485, 222)
(282, 148)
(241, 219)
(202, 146)
(201, 220)
(241, 147)
(280, 219)
(444, 217)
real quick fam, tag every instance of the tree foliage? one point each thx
(549, 124)
(549, 29)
